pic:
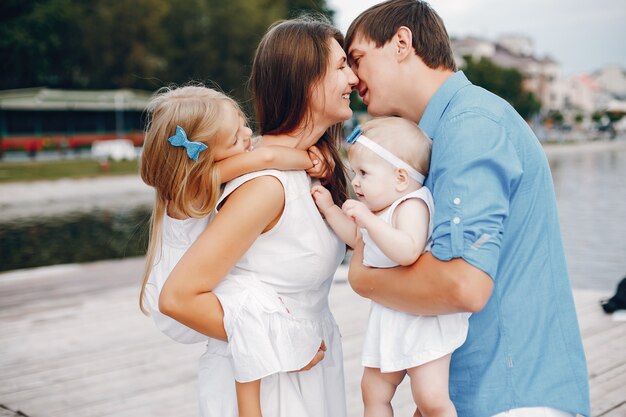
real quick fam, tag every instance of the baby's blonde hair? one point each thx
(186, 186)
(402, 138)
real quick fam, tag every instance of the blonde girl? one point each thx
(196, 138)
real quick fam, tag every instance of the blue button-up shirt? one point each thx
(496, 209)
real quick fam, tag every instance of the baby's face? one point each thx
(374, 179)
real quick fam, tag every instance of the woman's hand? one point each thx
(316, 359)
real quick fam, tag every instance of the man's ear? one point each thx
(403, 42)
(402, 179)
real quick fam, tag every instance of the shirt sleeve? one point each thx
(474, 171)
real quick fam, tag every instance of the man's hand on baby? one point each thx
(322, 197)
(357, 211)
(316, 359)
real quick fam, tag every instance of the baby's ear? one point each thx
(402, 179)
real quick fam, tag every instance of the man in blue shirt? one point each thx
(497, 249)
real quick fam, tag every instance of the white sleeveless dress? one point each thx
(276, 314)
(176, 237)
(395, 340)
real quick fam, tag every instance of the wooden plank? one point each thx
(74, 343)
(619, 411)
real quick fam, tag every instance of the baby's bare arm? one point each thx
(343, 225)
(405, 240)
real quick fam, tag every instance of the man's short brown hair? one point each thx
(430, 39)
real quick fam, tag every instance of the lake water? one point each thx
(590, 185)
(591, 194)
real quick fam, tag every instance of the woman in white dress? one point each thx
(268, 237)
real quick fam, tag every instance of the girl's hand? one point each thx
(318, 168)
(323, 164)
(357, 211)
(322, 197)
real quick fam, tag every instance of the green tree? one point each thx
(578, 119)
(505, 82)
(121, 43)
(136, 43)
(297, 7)
(37, 39)
(554, 117)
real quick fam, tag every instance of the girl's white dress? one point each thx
(276, 312)
(395, 340)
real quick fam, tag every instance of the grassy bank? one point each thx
(51, 170)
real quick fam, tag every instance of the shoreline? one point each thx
(47, 198)
(55, 197)
(570, 148)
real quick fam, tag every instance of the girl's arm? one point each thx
(402, 243)
(343, 225)
(186, 295)
(249, 398)
(265, 157)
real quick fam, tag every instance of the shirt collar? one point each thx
(439, 102)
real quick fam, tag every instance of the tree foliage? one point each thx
(136, 43)
(505, 82)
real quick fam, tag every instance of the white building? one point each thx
(579, 94)
(541, 75)
(612, 79)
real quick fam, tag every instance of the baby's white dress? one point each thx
(276, 314)
(395, 340)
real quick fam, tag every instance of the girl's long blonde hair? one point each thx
(186, 186)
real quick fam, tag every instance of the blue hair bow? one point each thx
(352, 137)
(193, 148)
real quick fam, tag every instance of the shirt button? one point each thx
(457, 201)
(456, 220)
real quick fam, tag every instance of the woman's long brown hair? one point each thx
(290, 59)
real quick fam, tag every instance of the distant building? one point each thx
(580, 94)
(474, 47)
(34, 118)
(577, 97)
(612, 79)
(541, 75)
(518, 45)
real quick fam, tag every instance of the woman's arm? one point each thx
(428, 287)
(405, 240)
(186, 295)
(265, 157)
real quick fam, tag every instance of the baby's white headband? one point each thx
(357, 136)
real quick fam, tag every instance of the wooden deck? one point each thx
(73, 343)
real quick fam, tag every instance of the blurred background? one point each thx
(75, 77)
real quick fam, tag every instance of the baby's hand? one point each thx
(323, 164)
(322, 197)
(357, 211)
